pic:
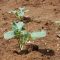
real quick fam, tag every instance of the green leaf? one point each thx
(25, 36)
(22, 9)
(39, 34)
(17, 26)
(9, 35)
(20, 13)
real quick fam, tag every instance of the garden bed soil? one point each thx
(43, 13)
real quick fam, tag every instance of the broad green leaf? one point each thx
(39, 34)
(20, 25)
(9, 35)
(17, 26)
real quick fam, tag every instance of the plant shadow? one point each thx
(47, 52)
(27, 19)
(32, 47)
(21, 52)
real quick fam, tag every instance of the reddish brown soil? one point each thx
(44, 13)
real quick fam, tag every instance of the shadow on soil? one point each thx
(32, 47)
(27, 19)
(47, 52)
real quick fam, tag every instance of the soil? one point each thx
(43, 13)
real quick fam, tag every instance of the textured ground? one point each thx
(44, 13)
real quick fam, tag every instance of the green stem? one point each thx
(19, 43)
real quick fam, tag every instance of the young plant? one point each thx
(19, 13)
(19, 32)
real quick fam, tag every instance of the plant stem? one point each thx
(19, 43)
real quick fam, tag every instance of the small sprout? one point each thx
(19, 13)
(22, 35)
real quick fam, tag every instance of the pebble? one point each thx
(57, 38)
(57, 45)
(58, 49)
(48, 50)
(45, 43)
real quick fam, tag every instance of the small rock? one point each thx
(48, 50)
(57, 45)
(58, 49)
(45, 43)
(57, 38)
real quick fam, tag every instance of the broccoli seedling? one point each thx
(19, 32)
(19, 13)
